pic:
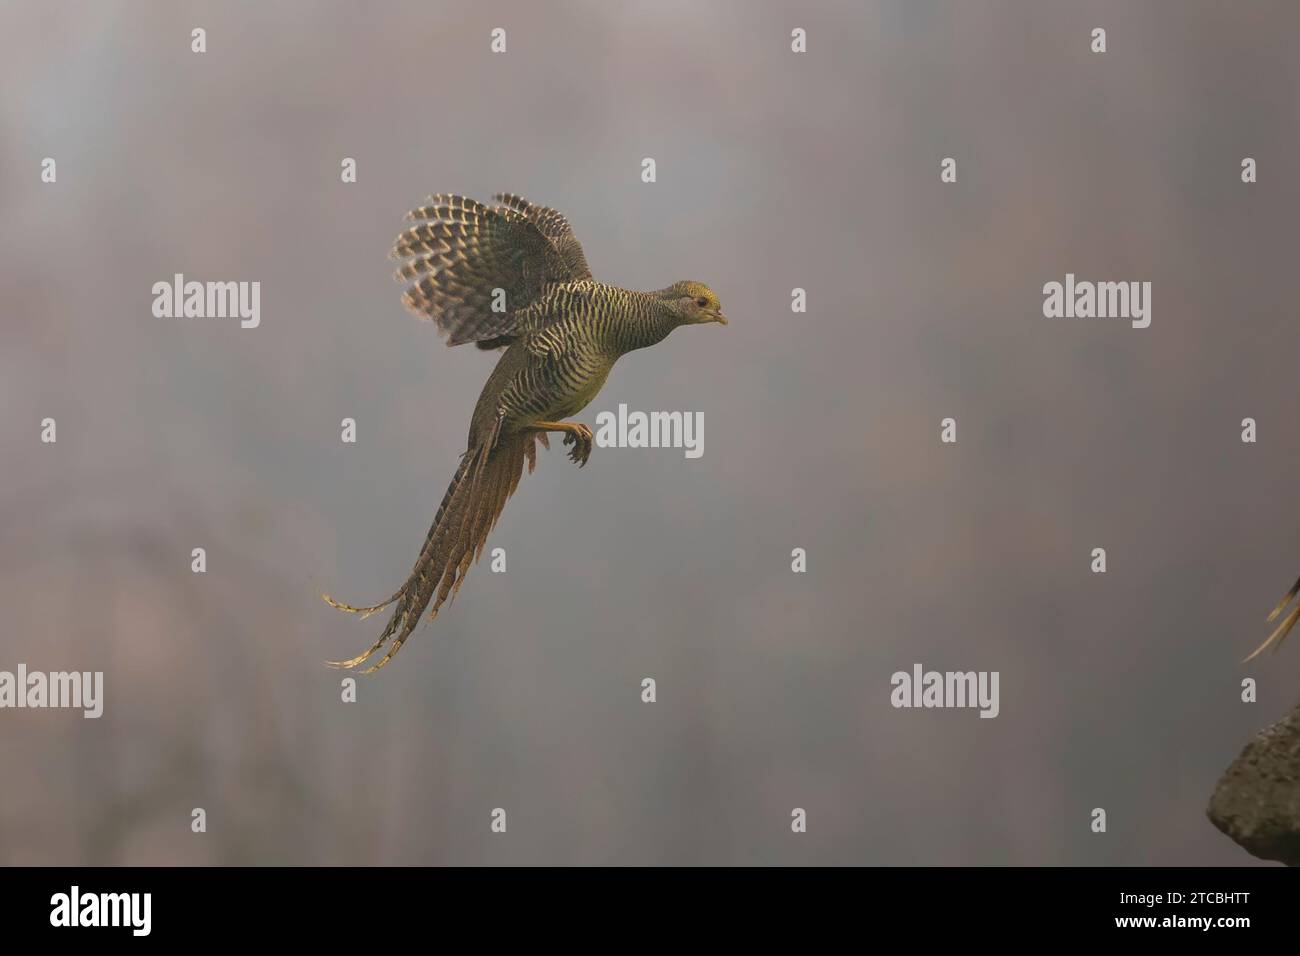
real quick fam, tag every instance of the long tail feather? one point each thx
(1280, 633)
(1286, 599)
(487, 477)
(1278, 636)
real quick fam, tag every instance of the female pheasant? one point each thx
(512, 276)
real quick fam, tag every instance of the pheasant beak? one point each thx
(719, 318)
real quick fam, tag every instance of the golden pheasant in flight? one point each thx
(512, 276)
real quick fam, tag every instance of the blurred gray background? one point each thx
(775, 170)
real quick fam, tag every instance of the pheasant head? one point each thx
(694, 303)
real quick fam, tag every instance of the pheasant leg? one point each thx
(575, 433)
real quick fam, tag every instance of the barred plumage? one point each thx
(474, 268)
(563, 332)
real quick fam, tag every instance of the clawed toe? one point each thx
(581, 440)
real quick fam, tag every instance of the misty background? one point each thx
(775, 170)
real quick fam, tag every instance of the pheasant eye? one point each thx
(702, 302)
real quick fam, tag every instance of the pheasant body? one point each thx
(513, 276)
(583, 328)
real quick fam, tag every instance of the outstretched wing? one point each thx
(555, 228)
(473, 268)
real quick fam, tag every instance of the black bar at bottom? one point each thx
(335, 905)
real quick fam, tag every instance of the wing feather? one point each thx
(473, 268)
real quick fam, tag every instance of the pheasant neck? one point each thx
(648, 321)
